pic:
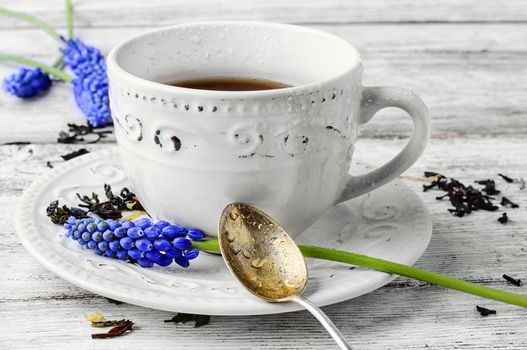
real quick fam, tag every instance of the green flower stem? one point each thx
(69, 18)
(58, 62)
(26, 61)
(209, 245)
(394, 268)
(32, 20)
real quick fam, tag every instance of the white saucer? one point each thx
(390, 223)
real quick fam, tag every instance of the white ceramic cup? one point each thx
(188, 153)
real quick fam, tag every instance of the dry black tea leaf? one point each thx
(490, 186)
(59, 215)
(116, 331)
(506, 178)
(49, 165)
(503, 219)
(517, 282)
(200, 320)
(432, 174)
(113, 207)
(113, 301)
(75, 154)
(104, 209)
(464, 199)
(109, 323)
(506, 202)
(16, 143)
(83, 134)
(483, 311)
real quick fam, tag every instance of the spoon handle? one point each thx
(323, 319)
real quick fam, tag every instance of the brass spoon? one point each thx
(263, 257)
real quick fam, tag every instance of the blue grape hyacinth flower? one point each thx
(27, 82)
(127, 240)
(90, 85)
(83, 59)
(91, 96)
(90, 82)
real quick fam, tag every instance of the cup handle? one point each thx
(373, 100)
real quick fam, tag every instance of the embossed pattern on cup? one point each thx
(188, 153)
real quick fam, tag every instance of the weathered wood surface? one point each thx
(473, 78)
(44, 309)
(118, 13)
(469, 75)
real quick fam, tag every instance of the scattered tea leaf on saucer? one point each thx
(59, 215)
(115, 204)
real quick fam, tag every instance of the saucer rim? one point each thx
(27, 206)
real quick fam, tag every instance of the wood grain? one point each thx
(457, 246)
(384, 319)
(469, 75)
(122, 13)
(403, 315)
(465, 58)
(46, 311)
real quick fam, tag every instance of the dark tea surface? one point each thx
(230, 84)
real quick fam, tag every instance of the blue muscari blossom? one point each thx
(182, 243)
(195, 234)
(191, 253)
(172, 231)
(142, 241)
(162, 245)
(90, 86)
(91, 96)
(27, 82)
(83, 59)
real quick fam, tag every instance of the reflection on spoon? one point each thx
(263, 257)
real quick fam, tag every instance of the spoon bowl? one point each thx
(266, 260)
(261, 254)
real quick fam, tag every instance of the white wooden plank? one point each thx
(45, 310)
(119, 13)
(475, 247)
(469, 76)
(383, 319)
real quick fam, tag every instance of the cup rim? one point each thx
(115, 68)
